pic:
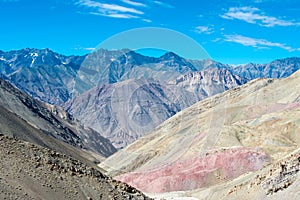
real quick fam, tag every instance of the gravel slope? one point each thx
(28, 171)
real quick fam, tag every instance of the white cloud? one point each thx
(257, 43)
(204, 29)
(115, 15)
(163, 4)
(134, 3)
(216, 40)
(122, 16)
(255, 16)
(108, 7)
(147, 20)
(110, 10)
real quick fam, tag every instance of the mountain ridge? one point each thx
(53, 74)
(63, 80)
(57, 125)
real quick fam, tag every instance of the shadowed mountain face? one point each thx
(127, 110)
(215, 140)
(28, 119)
(41, 73)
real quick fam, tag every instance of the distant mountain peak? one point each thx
(170, 55)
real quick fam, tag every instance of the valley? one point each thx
(149, 100)
(169, 126)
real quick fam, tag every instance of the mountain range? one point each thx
(49, 76)
(90, 87)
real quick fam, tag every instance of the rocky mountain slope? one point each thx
(30, 120)
(277, 181)
(43, 74)
(215, 140)
(28, 171)
(209, 82)
(125, 111)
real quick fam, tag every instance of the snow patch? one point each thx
(65, 63)
(1, 58)
(33, 54)
(32, 62)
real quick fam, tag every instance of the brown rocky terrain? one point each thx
(261, 117)
(31, 172)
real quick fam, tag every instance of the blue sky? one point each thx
(233, 32)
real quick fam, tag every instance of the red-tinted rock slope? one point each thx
(215, 140)
(197, 172)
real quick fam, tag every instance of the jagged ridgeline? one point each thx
(122, 94)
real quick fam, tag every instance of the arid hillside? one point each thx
(28, 171)
(215, 140)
